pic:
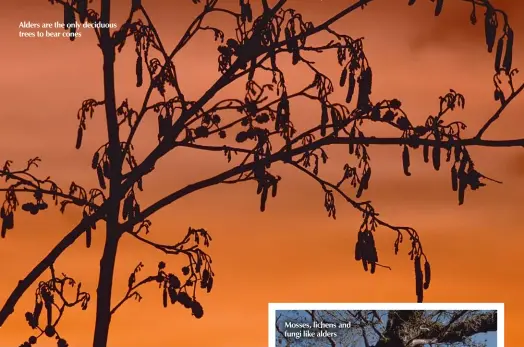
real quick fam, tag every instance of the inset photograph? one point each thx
(399, 325)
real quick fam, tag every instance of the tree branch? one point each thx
(131, 292)
(212, 148)
(9, 306)
(499, 112)
(279, 156)
(480, 323)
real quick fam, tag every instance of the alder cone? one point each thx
(30, 320)
(241, 137)
(172, 294)
(28, 206)
(197, 310)
(209, 284)
(365, 264)
(374, 254)
(205, 275)
(174, 282)
(358, 251)
(50, 331)
(184, 299)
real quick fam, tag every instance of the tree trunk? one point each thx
(105, 286)
(113, 234)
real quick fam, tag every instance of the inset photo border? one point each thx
(386, 325)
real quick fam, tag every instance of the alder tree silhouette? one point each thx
(262, 132)
(394, 328)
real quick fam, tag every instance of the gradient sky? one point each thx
(293, 252)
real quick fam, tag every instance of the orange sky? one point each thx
(293, 251)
